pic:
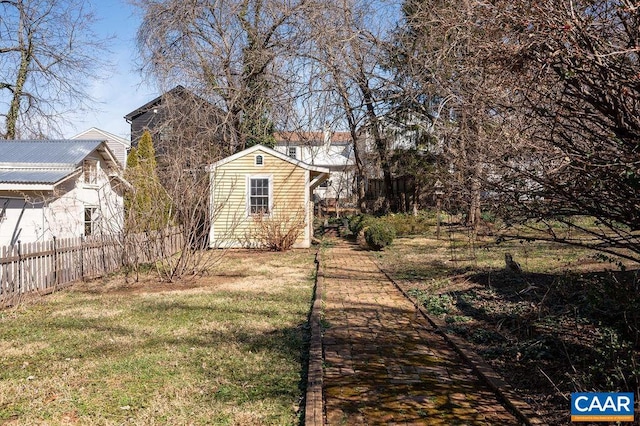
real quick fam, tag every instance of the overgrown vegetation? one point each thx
(278, 231)
(570, 322)
(223, 350)
(379, 232)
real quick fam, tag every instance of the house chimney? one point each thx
(327, 136)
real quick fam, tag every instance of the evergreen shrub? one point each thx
(379, 234)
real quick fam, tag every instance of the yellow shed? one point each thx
(261, 198)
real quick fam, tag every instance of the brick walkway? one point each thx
(383, 362)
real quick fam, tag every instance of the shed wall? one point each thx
(232, 226)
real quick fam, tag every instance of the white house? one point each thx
(331, 150)
(61, 188)
(119, 146)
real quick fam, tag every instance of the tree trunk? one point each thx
(380, 142)
(21, 78)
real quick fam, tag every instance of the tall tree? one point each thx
(48, 54)
(230, 51)
(545, 96)
(348, 45)
(439, 59)
(147, 204)
(575, 72)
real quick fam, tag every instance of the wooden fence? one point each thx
(47, 266)
(402, 196)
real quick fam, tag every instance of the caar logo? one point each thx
(601, 407)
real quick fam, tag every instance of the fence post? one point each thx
(104, 255)
(19, 268)
(82, 257)
(55, 263)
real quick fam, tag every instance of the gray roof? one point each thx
(48, 162)
(33, 176)
(50, 152)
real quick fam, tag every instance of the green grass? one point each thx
(227, 351)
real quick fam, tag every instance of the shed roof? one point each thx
(270, 152)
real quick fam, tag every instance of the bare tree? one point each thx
(348, 42)
(48, 54)
(545, 98)
(231, 52)
(439, 62)
(575, 71)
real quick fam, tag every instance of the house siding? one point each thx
(119, 147)
(36, 216)
(232, 227)
(338, 157)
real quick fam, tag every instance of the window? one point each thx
(259, 160)
(90, 220)
(292, 152)
(259, 201)
(90, 171)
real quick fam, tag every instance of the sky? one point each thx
(124, 89)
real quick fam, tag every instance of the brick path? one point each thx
(384, 363)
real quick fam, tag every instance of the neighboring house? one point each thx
(408, 132)
(259, 189)
(152, 116)
(401, 134)
(119, 146)
(178, 116)
(333, 150)
(59, 188)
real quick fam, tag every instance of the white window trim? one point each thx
(89, 165)
(248, 193)
(95, 219)
(295, 152)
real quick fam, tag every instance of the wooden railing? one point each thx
(44, 267)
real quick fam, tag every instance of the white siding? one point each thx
(118, 146)
(41, 216)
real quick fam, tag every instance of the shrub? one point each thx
(379, 234)
(359, 222)
(277, 232)
(408, 224)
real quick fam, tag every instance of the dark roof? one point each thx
(176, 91)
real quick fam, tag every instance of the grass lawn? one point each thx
(225, 349)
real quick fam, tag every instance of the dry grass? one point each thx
(570, 322)
(225, 349)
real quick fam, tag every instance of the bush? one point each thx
(379, 234)
(277, 232)
(408, 224)
(358, 222)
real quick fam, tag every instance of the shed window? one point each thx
(259, 196)
(259, 160)
(293, 152)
